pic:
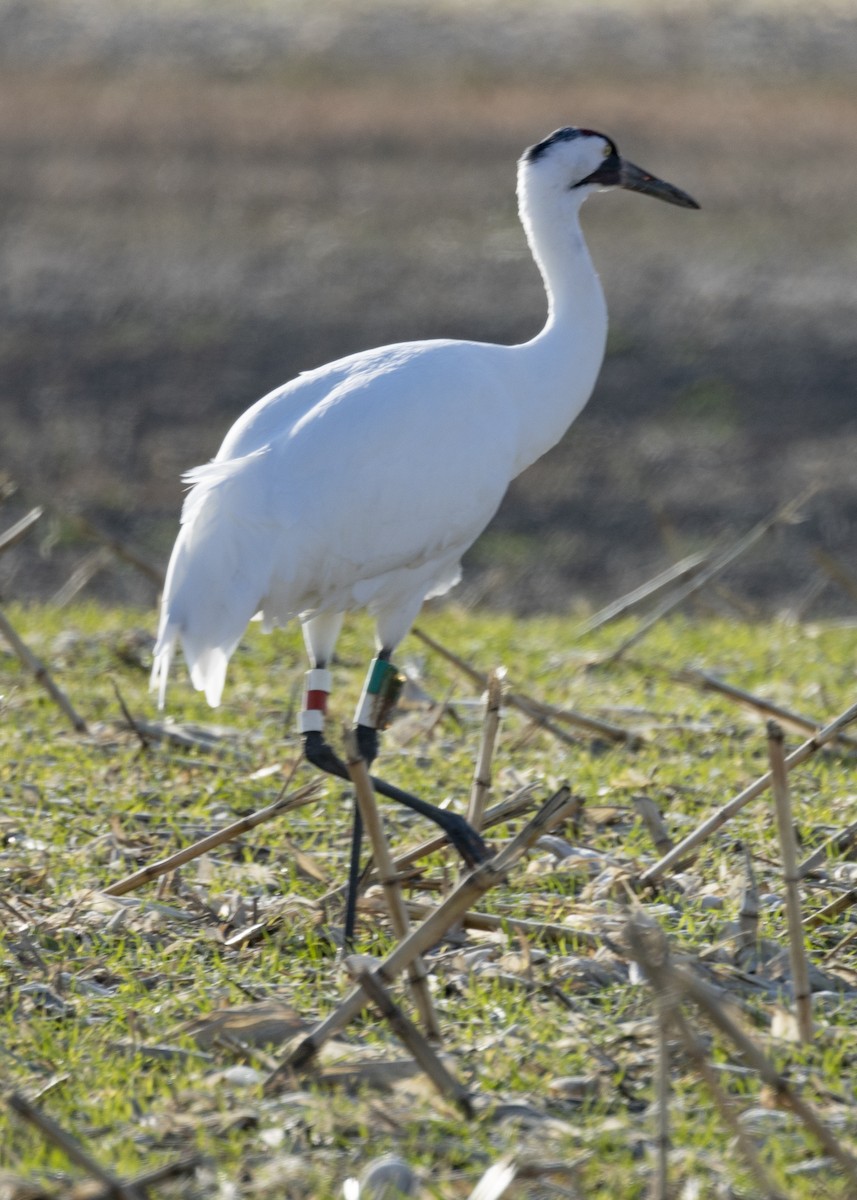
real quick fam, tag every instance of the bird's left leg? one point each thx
(320, 635)
(383, 682)
(383, 685)
(380, 692)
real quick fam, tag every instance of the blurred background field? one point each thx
(198, 200)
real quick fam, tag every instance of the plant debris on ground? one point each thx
(147, 1027)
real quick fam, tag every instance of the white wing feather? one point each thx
(357, 485)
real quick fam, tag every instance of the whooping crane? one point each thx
(360, 484)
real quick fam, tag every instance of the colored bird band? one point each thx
(317, 684)
(381, 690)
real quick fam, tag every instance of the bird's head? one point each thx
(576, 162)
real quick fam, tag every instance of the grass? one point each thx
(554, 1039)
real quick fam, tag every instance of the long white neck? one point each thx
(562, 362)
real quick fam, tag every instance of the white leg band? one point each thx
(311, 721)
(317, 685)
(379, 695)
(365, 714)
(318, 680)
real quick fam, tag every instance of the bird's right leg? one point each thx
(321, 755)
(381, 692)
(320, 634)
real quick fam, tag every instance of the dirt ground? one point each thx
(182, 232)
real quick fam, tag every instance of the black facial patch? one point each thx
(606, 174)
(567, 134)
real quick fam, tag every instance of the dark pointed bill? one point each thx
(635, 179)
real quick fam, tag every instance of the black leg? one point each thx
(378, 705)
(321, 755)
(466, 840)
(353, 879)
(463, 837)
(367, 743)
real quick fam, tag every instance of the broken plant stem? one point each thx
(140, 1183)
(672, 984)
(482, 774)
(660, 1183)
(71, 1148)
(41, 674)
(711, 683)
(724, 814)
(486, 876)
(282, 804)
(411, 1037)
(489, 922)
(717, 566)
(685, 569)
(836, 570)
(84, 572)
(649, 813)
(696, 1053)
(120, 549)
(711, 1003)
(537, 710)
(19, 530)
(834, 909)
(791, 881)
(389, 880)
(747, 939)
(126, 713)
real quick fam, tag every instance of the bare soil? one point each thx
(176, 241)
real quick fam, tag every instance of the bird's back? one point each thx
(361, 483)
(356, 485)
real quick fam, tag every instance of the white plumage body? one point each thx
(361, 484)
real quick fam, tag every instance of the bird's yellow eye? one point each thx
(606, 152)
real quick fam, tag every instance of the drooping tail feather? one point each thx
(217, 575)
(165, 648)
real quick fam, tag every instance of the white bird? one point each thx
(361, 484)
